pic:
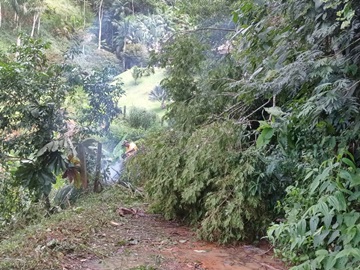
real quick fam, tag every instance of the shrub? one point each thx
(13, 198)
(322, 222)
(141, 118)
(209, 178)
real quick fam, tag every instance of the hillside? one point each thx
(137, 94)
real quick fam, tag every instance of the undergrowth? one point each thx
(52, 241)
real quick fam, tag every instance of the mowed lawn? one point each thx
(137, 95)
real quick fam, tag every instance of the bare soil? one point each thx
(144, 241)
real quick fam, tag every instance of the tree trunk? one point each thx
(18, 40)
(35, 17)
(47, 203)
(16, 20)
(132, 5)
(83, 169)
(84, 13)
(0, 15)
(97, 183)
(124, 54)
(38, 25)
(100, 22)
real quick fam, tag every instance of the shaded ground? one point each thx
(106, 231)
(144, 241)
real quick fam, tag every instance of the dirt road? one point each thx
(141, 242)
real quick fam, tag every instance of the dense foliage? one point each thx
(39, 139)
(274, 117)
(262, 123)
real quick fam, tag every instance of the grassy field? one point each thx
(137, 95)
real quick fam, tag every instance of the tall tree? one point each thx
(36, 7)
(100, 18)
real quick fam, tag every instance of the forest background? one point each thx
(262, 114)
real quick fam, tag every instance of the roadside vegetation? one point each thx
(46, 242)
(246, 118)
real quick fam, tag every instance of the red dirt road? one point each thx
(146, 241)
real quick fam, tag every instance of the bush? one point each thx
(12, 200)
(141, 118)
(209, 178)
(67, 196)
(322, 222)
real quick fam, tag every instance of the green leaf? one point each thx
(356, 239)
(349, 236)
(263, 125)
(349, 163)
(327, 219)
(355, 180)
(333, 236)
(265, 137)
(320, 237)
(354, 196)
(314, 184)
(275, 111)
(330, 261)
(235, 17)
(323, 208)
(351, 218)
(314, 222)
(337, 201)
(321, 254)
(345, 175)
(341, 199)
(354, 252)
(308, 175)
(301, 227)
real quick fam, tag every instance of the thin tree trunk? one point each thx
(38, 25)
(47, 203)
(97, 183)
(35, 17)
(132, 5)
(124, 54)
(16, 20)
(84, 13)
(83, 169)
(100, 23)
(0, 14)
(18, 40)
(274, 100)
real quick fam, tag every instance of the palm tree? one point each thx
(159, 94)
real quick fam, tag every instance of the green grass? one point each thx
(137, 95)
